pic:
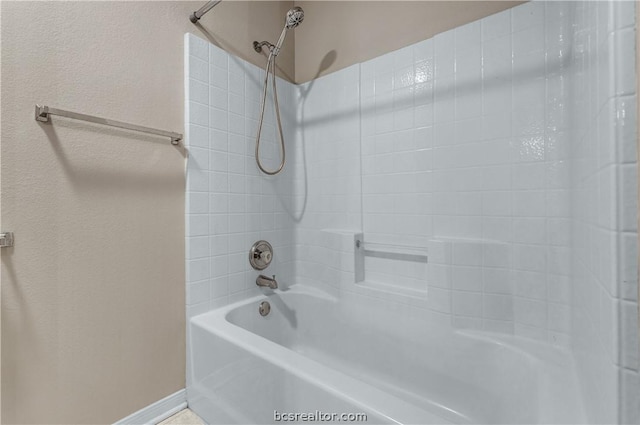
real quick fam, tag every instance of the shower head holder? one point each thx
(258, 45)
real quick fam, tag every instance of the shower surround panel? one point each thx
(604, 208)
(505, 147)
(230, 204)
(463, 150)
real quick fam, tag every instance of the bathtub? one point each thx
(318, 356)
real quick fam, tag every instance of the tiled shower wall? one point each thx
(604, 207)
(463, 151)
(327, 169)
(507, 148)
(230, 204)
(496, 146)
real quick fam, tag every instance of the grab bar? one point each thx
(43, 114)
(418, 258)
(402, 253)
(384, 251)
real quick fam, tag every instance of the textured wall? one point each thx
(335, 34)
(93, 300)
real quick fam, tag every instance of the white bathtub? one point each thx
(313, 353)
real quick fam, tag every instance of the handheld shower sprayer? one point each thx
(294, 17)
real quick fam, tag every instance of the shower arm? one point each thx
(273, 48)
(257, 46)
(195, 16)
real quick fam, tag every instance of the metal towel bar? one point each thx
(43, 114)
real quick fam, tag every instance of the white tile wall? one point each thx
(603, 174)
(480, 161)
(230, 204)
(505, 147)
(468, 141)
(326, 166)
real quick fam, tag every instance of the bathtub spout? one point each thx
(267, 282)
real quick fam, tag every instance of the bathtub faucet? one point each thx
(266, 281)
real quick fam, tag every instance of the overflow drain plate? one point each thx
(264, 308)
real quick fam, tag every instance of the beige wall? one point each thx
(93, 293)
(336, 34)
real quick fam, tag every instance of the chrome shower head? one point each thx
(295, 17)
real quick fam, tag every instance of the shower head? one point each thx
(295, 17)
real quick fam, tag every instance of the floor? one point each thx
(183, 417)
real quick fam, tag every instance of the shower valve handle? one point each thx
(260, 255)
(263, 255)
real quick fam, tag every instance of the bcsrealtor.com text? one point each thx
(318, 416)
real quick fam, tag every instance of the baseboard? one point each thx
(158, 411)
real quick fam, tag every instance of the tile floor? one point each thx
(183, 417)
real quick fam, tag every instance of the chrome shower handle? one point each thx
(260, 255)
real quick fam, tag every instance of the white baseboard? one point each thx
(158, 411)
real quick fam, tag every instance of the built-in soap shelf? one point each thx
(396, 252)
